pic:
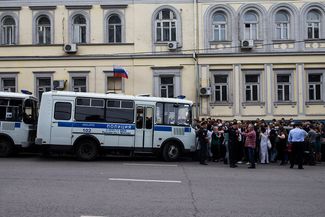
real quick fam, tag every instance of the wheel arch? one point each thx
(7, 137)
(90, 137)
(173, 139)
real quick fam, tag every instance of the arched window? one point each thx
(282, 23)
(219, 25)
(313, 24)
(8, 27)
(43, 30)
(114, 29)
(166, 25)
(79, 29)
(250, 25)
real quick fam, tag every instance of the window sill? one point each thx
(315, 103)
(221, 104)
(220, 42)
(279, 41)
(315, 40)
(279, 103)
(261, 104)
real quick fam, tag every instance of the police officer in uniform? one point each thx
(203, 141)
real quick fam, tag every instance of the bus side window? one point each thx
(140, 114)
(159, 113)
(149, 116)
(62, 111)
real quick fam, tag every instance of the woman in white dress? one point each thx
(264, 155)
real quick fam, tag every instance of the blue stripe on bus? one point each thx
(113, 126)
(96, 126)
(163, 128)
(17, 125)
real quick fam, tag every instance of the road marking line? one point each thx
(144, 180)
(152, 165)
(92, 216)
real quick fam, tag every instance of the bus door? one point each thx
(62, 122)
(144, 126)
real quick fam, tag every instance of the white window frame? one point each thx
(282, 26)
(251, 27)
(42, 75)
(171, 24)
(13, 34)
(214, 87)
(44, 32)
(314, 84)
(219, 26)
(75, 29)
(159, 72)
(115, 28)
(110, 74)
(4, 76)
(166, 86)
(78, 74)
(250, 85)
(277, 84)
(313, 24)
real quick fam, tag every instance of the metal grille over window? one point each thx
(10, 109)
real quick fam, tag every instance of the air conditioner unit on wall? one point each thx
(70, 48)
(205, 91)
(247, 44)
(58, 84)
(172, 45)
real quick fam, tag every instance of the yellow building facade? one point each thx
(244, 60)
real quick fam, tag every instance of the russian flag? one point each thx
(120, 72)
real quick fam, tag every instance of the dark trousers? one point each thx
(297, 154)
(203, 152)
(215, 149)
(232, 153)
(251, 156)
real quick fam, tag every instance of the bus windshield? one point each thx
(173, 114)
(10, 109)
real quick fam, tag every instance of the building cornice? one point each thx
(10, 8)
(113, 6)
(78, 7)
(53, 7)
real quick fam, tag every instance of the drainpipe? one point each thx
(195, 56)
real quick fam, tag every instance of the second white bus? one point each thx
(89, 123)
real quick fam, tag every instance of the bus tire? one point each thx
(171, 151)
(6, 148)
(86, 150)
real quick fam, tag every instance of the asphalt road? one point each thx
(31, 186)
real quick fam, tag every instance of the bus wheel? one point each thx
(6, 148)
(171, 151)
(86, 150)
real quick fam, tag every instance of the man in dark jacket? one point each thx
(232, 146)
(203, 141)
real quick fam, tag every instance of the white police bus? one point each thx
(89, 123)
(18, 119)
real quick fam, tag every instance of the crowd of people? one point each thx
(237, 142)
